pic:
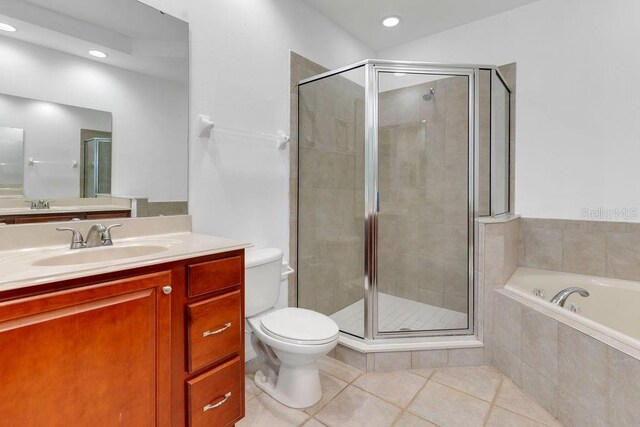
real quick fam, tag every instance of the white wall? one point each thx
(240, 77)
(578, 109)
(149, 115)
(51, 134)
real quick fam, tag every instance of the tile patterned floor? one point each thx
(397, 313)
(465, 397)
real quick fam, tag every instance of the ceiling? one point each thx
(135, 36)
(420, 18)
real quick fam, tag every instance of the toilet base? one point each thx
(296, 386)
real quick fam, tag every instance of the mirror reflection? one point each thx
(93, 110)
(60, 151)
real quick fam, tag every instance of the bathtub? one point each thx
(611, 313)
(582, 367)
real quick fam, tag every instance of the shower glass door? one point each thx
(331, 199)
(423, 201)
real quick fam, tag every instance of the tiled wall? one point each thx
(144, 208)
(497, 260)
(401, 360)
(610, 249)
(576, 377)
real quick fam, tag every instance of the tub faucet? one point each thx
(561, 297)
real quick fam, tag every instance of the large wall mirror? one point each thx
(93, 105)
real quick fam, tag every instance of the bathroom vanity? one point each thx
(146, 332)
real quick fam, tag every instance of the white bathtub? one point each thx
(612, 310)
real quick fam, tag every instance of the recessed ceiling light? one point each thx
(391, 21)
(7, 27)
(97, 54)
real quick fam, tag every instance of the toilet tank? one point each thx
(263, 272)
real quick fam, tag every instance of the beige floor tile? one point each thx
(354, 407)
(331, 386)
(250, 388)
(426, 372)
(409, 420)
(338, 369)
(445, 406)
(398, 387)
(480, 381)
(265, 411)
(313, 423)
(502, 418)
(516, 400)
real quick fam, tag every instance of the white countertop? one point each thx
(17, 269)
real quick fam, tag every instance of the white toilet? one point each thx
(288, 341)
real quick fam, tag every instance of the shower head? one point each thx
(429, 95)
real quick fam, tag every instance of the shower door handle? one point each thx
(377, 201)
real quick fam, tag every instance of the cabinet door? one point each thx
(96, 355)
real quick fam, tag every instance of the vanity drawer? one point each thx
(214, 275)
(216, 397)
(215, 329)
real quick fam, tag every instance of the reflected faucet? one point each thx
(562, 296)
(40, 204)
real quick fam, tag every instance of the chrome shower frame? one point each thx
(372, 69)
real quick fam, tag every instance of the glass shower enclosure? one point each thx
(96, 167)
(395, 163)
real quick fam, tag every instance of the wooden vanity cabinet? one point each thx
(209, 355)
(95, 355)
(127, 348)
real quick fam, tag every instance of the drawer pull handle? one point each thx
(215, 405)
(217, 331)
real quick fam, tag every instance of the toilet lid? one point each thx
(300, 326)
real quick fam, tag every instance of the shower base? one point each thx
(399, 314)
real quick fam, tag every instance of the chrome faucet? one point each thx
(94, 236)
(562, 296)
(98, 235)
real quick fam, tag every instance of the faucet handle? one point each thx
(106, 236)
(33, 204)
(77, 241)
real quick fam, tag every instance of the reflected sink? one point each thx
(109, 253)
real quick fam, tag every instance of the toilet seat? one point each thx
(299, 326)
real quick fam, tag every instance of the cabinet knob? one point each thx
(167, 289)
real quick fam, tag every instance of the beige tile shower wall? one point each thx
(610, 249)
(423, 172)
(497, 260)
(331, 204)
(145, 208)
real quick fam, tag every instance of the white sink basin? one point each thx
(109, 253)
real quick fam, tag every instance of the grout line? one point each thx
(524, 416)
(493, 401)
(422, 388)
(465, 392)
